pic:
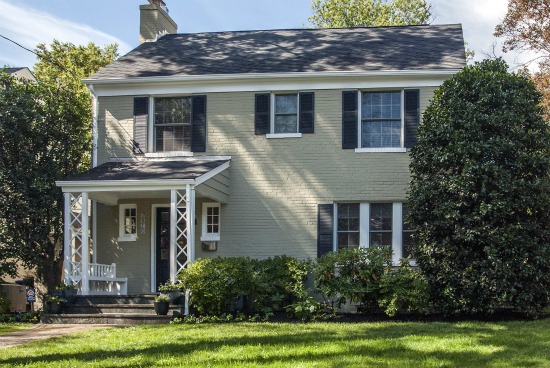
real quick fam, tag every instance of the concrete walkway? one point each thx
(44, 331)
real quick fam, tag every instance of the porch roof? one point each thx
(183, 169)
(152, 178)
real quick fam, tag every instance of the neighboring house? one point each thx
(20, 73)
(255, 143)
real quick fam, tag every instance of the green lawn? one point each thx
(6, 328)
(390, 344)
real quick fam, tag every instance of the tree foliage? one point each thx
(526, 26)
(369, 13)
(479, 193)
(45, 135)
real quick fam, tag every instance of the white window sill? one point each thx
(210, 238)
(127, 238)
(169, 154)
(381, 149)
(284, 135)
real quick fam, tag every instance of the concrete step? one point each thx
(106, 318)
(109, 299)
(115, 308)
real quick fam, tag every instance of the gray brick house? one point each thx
(253, 143)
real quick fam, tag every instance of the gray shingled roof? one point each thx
(434, 47)
(150, 170)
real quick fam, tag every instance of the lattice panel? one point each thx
(76, 218)
(182, 232)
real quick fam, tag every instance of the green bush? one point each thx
(352, 275)
(404, 290)
(4, 303)
(223, 285)
(479, 197)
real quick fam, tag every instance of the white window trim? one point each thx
(121, 217)
(360, 125)
(212, 236)
(364, 228)
(272, 133)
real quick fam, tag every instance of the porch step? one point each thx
(106, 318)
(115, 310)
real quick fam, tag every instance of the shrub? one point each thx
(4, 303)
(223, 285)
(352, 275)
(479, 196)
(403, 290)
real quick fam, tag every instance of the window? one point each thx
(284, 115)
(172, 122)
(407, 234)
(127, 222)
(210, 222)
(381, 119)
(380, 224)
(348, 225)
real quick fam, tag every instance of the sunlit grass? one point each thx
(384, 344)
(6, 328)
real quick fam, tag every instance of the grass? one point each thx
(6, 328)
(383, 344)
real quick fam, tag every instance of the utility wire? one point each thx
(61, 67)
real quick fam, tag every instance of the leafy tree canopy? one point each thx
(479, 193)
(45, 134)
(526, 26)
(369, 13)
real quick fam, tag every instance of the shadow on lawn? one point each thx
(375, 345)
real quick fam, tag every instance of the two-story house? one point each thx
(253, 143)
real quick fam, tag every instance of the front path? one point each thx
(43, 331)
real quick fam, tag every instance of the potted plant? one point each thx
(172, 290)
(54, 304)
(162, 305)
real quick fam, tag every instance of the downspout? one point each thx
(95, 114)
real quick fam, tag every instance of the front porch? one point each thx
(131, 225)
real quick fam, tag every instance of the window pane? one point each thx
(381, 216)
(173, 110)
(407, 243)
(381, 105)
(378, 238)
(286, 124)
(286, 104)
(381, 134)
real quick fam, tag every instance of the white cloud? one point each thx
(29, 27)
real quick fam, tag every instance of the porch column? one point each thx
(76, 240)
(179, 234)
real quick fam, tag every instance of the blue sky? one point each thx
(30, 22)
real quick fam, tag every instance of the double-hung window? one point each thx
(348, 225)
(210, 222)
(172, 124)
(407, 234)
(380, 224)
(381, 119)
(284, 115)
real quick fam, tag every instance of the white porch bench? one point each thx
(103, 280)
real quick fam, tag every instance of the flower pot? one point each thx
(161, 308)
(54, 307)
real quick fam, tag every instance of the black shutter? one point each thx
(325, 225)
(141, 116)
(349, 119)
(262, 113)
(198, 124)
(412, 116)
(306, 112)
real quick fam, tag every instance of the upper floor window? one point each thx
(172, 124)
(380, 121)
(284, 115)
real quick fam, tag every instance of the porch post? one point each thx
(67, 261)
(85, 245)
(190, 230)
(173, 224)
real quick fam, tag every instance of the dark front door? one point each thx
(163, 245)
